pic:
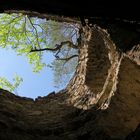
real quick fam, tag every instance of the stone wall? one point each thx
(95, 78)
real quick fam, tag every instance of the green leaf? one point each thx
(5, 84)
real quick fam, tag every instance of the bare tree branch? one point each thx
(67, 58)
(25, 30)
(11, 21)
(70, 44)
(46, 49)
(36, 32)
(57, 48)
(43, 30)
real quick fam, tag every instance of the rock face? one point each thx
(135, 135)
(101, 102)
(95, 8)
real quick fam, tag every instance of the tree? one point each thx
(32, 37)
(4, 83)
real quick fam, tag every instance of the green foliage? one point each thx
(5, 84)
(23, 34)
(16, 32)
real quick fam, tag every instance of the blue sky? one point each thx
(34, 84)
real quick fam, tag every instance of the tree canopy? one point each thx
(32, 37)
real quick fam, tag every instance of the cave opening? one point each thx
(48, 43)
